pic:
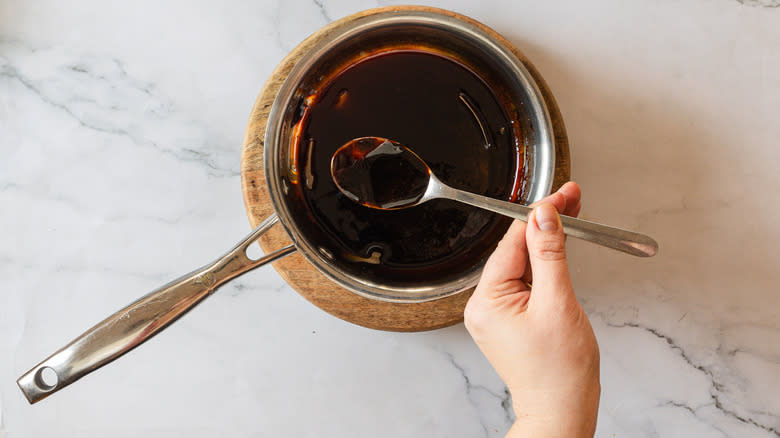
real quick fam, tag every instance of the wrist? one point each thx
(547, 414)
(574, 426)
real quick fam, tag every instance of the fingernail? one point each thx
(547, 217)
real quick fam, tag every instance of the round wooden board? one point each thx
(300, 274)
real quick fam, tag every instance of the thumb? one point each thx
(547, 255)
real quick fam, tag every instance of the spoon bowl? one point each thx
(384, 174)
(380, 173)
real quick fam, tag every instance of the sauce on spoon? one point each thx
(379, 173)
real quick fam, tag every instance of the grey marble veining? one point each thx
(121, 126)
(761, 3)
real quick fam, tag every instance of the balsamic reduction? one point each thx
(379, 173)
(448, 115)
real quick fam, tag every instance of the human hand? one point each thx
(538, 338)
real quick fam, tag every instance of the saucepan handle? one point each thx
(131, 326)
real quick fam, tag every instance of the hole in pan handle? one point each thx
(131, 326)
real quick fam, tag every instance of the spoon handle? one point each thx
(616, 238)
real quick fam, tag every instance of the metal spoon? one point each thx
(383, 174)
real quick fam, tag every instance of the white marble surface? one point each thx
(120, 132)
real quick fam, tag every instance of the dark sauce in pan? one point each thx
(448, 116)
